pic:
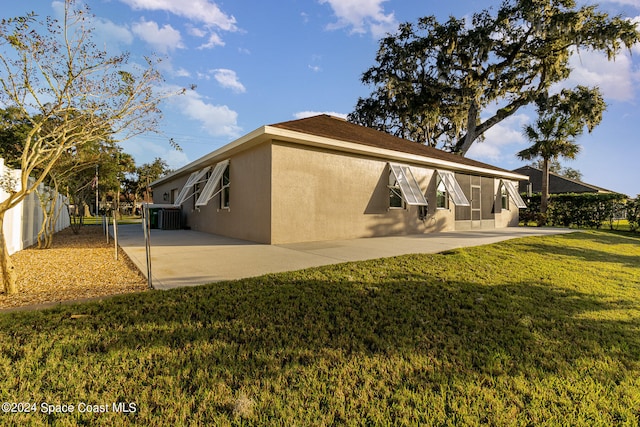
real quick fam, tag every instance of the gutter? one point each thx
(266, 133)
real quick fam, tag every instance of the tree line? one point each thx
(67, 104)
(97, 167)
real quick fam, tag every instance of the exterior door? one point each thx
(476, 206)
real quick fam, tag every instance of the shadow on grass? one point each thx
(261, 327)
(579, 252)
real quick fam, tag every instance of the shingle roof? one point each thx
(340, 129)
(557, 184)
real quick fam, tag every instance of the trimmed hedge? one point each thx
(633, 213)
(584, 210)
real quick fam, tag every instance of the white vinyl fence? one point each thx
(22, 223)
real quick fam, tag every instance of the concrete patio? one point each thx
(188, 258)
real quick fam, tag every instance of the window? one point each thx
(189, 186)
(513, 193)
(442, 197)
(504, 197)
(198, 186)
(215, 180)
(224, 193)
(401, 178)
(453, 188)
(395, 196)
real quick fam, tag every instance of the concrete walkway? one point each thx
(187, 258)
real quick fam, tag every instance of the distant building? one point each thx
(323, 178)
(557, 184)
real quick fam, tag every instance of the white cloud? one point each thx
(181, 72)
(216, 120)
(315, 58)
(214, 40)
(111, 35)
(163, 39)
(197, 32)
(636, 47)
(305, 114)
(635, 3)
(499, 139)
(616, 79)
(144, 149)
(229, 79)
(202, 11)
(362, 16)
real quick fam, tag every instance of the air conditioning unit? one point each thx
(170, 219)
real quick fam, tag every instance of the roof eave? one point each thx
(387, 154)
(266, 133)
(249, 140)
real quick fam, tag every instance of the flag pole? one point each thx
(97, 213)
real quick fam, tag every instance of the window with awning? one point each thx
(187, 189)
(453, 188)
(513, 193)
(215, 180)
(407, 184)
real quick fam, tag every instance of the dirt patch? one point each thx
(77, 267)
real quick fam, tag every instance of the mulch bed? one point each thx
(78, 267)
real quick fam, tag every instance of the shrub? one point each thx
(586, 210)
(633, 213)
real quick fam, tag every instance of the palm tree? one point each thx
(553, 136)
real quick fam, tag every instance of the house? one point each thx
(323, 178)
(557, 184)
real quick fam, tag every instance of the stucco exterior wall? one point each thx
(170, 189)
(249, 214)
(282, 192)
(506, 217)
(323, 195)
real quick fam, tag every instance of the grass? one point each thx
(615, 225)
(126, 219)
(534, 331)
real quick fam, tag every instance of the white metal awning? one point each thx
(194, 178)
(513, 193)
(453, 188)
(211, 185)
(409, 187)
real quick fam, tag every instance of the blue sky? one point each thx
(259, 62)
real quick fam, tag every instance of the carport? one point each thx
(188, 258)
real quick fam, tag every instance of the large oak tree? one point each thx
(433, 80)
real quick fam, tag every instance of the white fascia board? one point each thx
(265, 133)
(242, 143)
(386, 154)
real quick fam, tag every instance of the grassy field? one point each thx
(92, 220)
(538, 331)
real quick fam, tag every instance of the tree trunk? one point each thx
(474, 131)
(544, 199)
(52, 215)
(55, 216)
(42, 234)
(9, 276)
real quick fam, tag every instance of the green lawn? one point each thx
(532, 332)
(127, 219)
